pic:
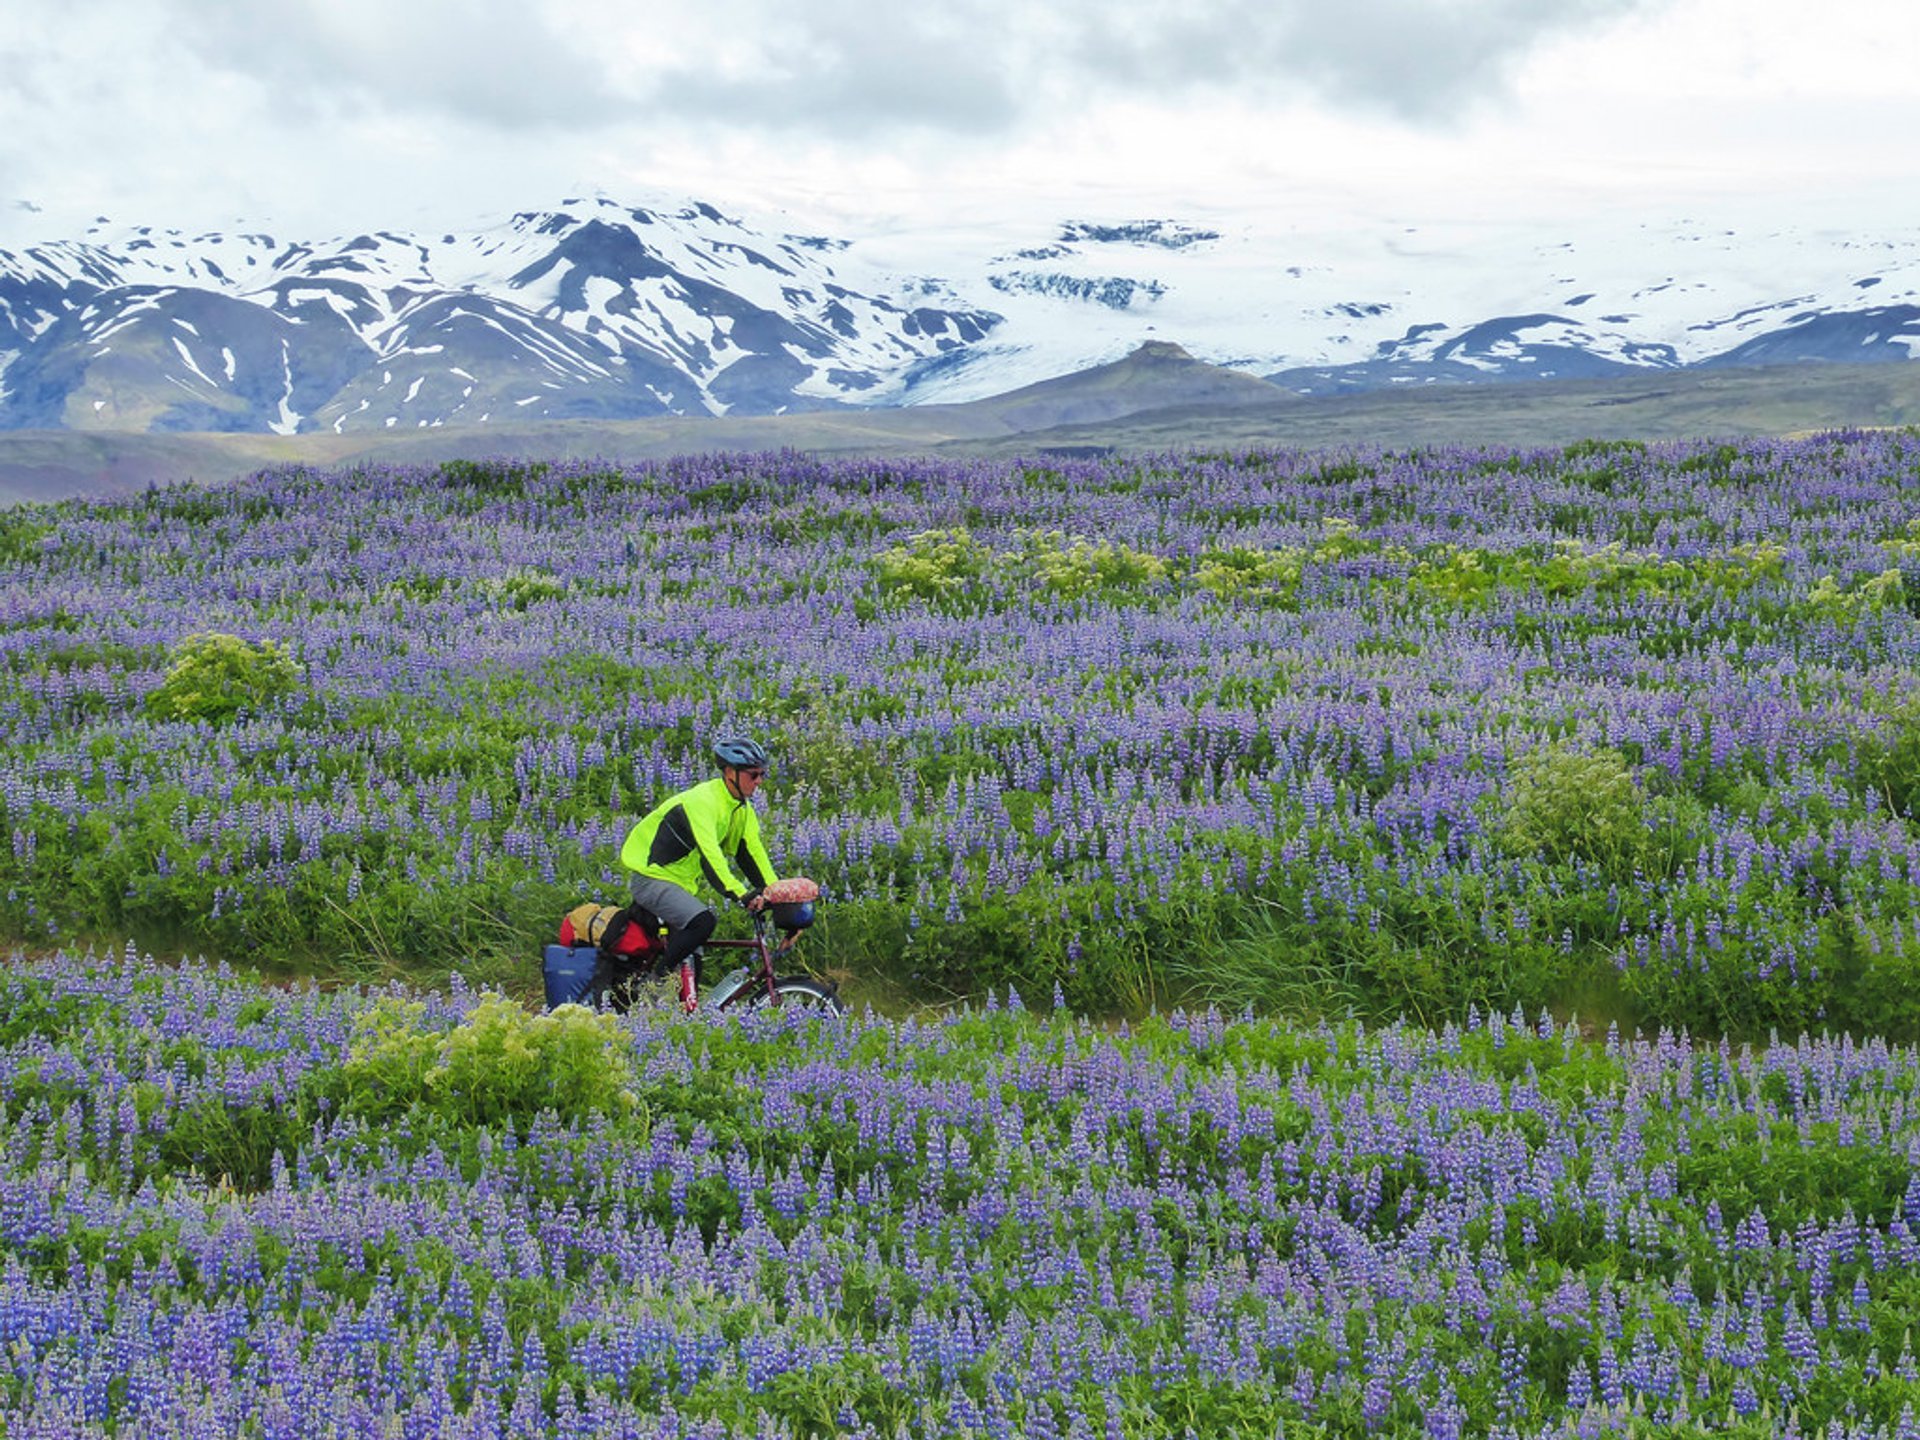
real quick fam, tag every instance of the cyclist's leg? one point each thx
(686, 941)
(688, 922)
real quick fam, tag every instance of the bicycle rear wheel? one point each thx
(800, 992)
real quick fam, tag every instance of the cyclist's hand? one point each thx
(756, 902)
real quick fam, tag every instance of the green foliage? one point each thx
(1889, 766)
(1906, 544)
(495, 478)
(233, 1144)
(500, 1064)
(1243, 574)
(30, 1008)
(941, 567)
(1717, 461)
(388, 1060)
(954, 570)
(1463, 576)
(522, 587)
(1594, 448)
(1741, 565)
(1272, 577)
(1455, 575)
(1564, 803)
(87, 654)
(1340, 539)
(501, 1061)
(1796, 1175)
(1081, 567)
(23, 529)
(1846, 604)
(215, 677)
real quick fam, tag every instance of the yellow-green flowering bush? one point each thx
(1083, 567)
(1836, 602)
(1340, 539)
(390, 1053)
(1454, 575)
(933, 565)
(212, 676)
(1906, 545)
(523, 586)
(1244, 573)
(1563, 803)
(501, 1063)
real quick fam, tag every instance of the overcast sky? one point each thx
(324, 117)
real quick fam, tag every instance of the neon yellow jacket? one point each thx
(701, 833)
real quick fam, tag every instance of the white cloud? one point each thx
(499, 63)
(330, 115)
(1419, 60)
(996, 64)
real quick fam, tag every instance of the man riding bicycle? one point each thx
(708, 832)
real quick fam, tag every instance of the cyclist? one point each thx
(706, 833)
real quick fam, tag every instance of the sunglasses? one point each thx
(753, 774)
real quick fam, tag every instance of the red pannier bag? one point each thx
(633, 936)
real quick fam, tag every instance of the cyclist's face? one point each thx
(745, 782)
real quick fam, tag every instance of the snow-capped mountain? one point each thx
(1357, 307)
(591, 311)
(596, 309)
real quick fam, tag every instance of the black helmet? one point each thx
(740, 752)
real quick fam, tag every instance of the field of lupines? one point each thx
(1628, 731)
(232, 1211)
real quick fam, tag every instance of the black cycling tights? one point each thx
(684, 941)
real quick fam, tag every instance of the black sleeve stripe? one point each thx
(743, 857)
(673, 840)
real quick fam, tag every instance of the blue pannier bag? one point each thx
(569, 971)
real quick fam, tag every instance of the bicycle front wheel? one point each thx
(800, 992)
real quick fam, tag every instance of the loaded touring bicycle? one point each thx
(602, 952)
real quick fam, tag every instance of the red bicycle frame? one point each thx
(766, 952)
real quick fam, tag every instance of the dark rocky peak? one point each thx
(1160, 352)
(595, 249)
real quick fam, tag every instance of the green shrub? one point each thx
(940, 566)
(234, 1144)
(388, 1059)
(1340, 539)
(1082, 567)
(504, 479)
(501, 1063)
(21, 532)
(1564, 803)
(1455, 575)
(1906, 545)
(1830, 600)
(1889, 762)
(521, 587)
(215, 677)
(1270, 577)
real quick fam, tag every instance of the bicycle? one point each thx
(573, 972)
(758, 984)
